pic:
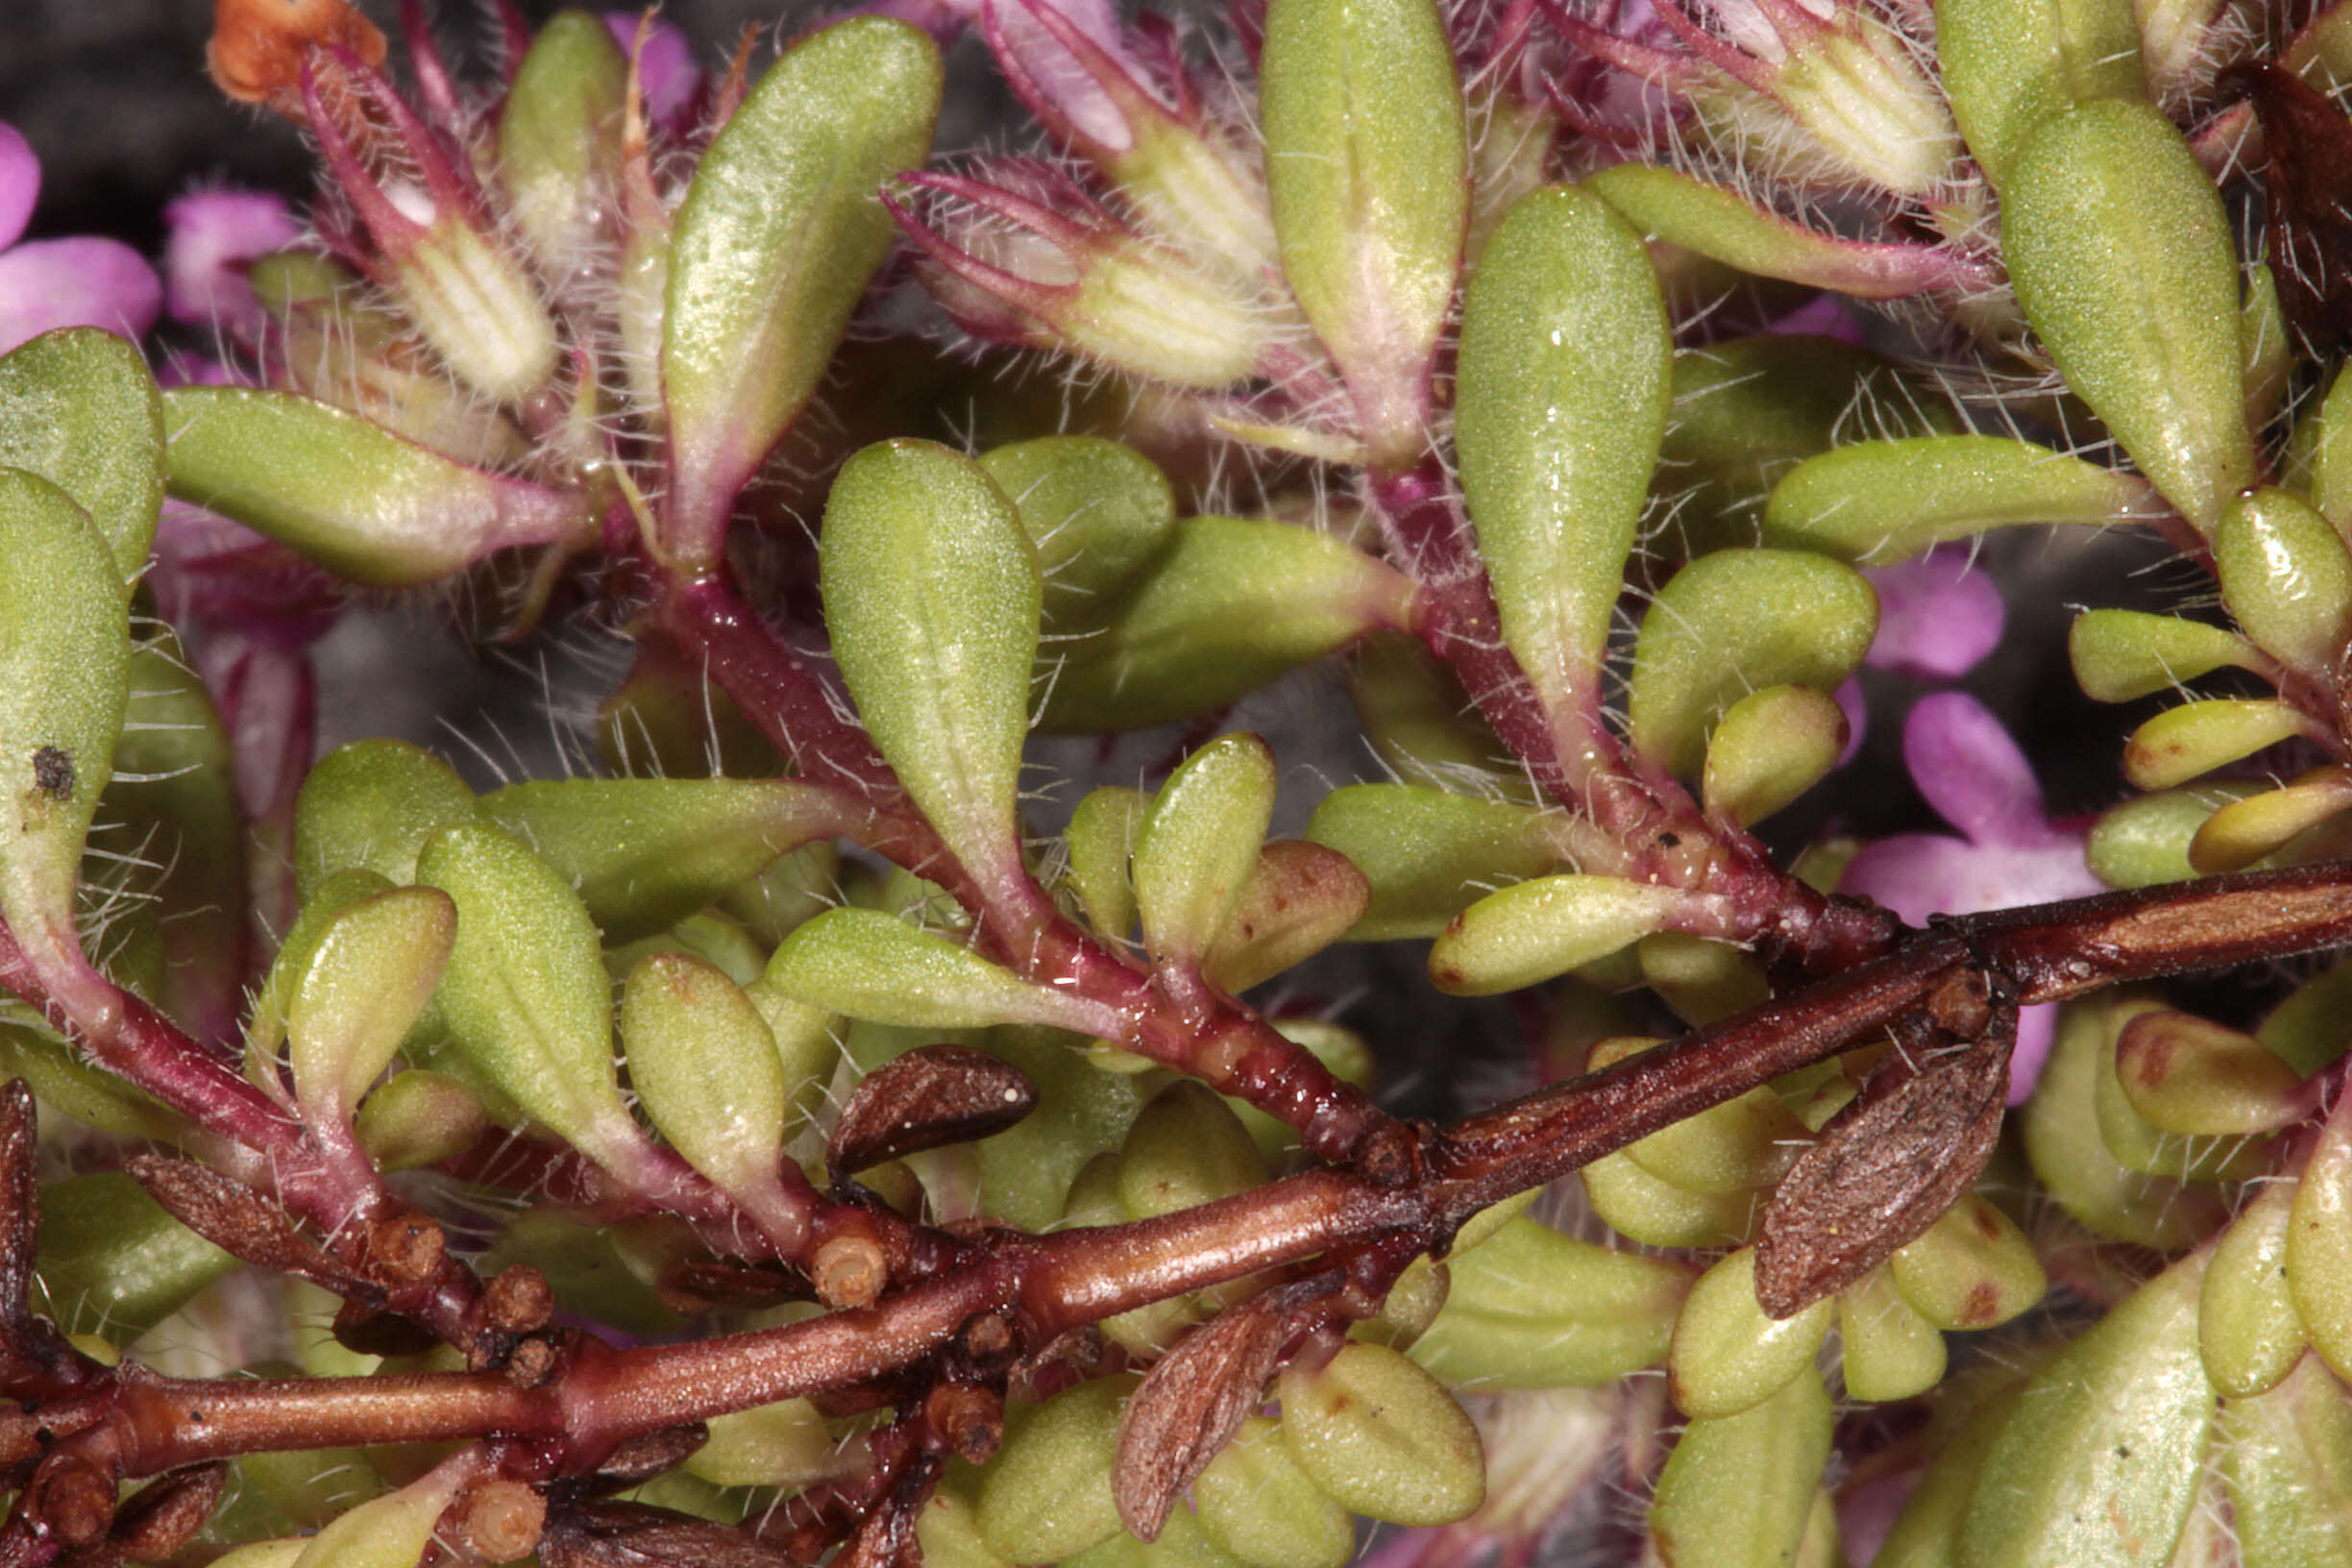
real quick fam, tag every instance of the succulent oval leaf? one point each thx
(1566, 373)
(526, 997)
(1769, 748)
(1728, 1353)
(2186, 1074)
(1429, 854)
(1186, 1147)
(1733, 623)
(1971, 1269)
(1653, 1212)
(1257, 1503)
(1737, 1490)
(2059, 1127)
(1887, 1350)
(1530, 1307)
(1297, 900)
(2242, 832)
(111, 1261)
(2286, 1457)
(559, 134)
(2010, 65)
(1366, 163)
(2249, 1331)
(1097, 511)
(932, 595)
(1199, 843)
(2100, 1461)
(369, 977)
(876, 967)
(1382, 1436)
(78, 409)
(1533, 930)
(339, 490)
(780, 231)
(644, 853)
(706, 1071)
(65, 682)
(2286, 579)
(2145, 841)
(1226, 605)
(2121, 654)
(2193, 740)
(418, 1117)
(2320, 1241)
(371, 805)
(2122, 257)
(1101, 840)
(1882, 501)
(1047, 1495)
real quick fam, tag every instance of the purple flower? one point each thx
(2009, 852)
(214, 236)
(78, 281)
(666, 71)
(1936, 617)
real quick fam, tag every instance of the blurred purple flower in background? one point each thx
(2008, 852)
(81, 281)
(1937, 617)
(214, 236)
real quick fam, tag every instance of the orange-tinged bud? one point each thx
(257, 51)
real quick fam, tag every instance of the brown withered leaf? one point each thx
(241, 1222)
(19, 1200)
(636, 1535)
(1886, 1167)
(164, 1514)
(1190, 1404)
(2306, 180)
(642, 1458)
(934, 1094)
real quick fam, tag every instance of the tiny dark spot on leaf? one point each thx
(53, 772)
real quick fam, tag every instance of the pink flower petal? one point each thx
(19, 184)
(1972, 772)
(1936, 618)
(2037, 1027)
(214, 236)
(81, 281)
(1919, 874)
(666, 70)
(1824, 315)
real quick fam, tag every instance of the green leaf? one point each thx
(1257, 1503)
(1429, 855)
(559, 137)
(1737, 1490)
(1770, 748)
(2187, 741)
(1665, 203)
(2286, 579)
(2145, 840)
(1971, 1269)
(64, 679)
(1097, 511)
(1382, 1436)
(78, 408)
(1733, 623)
(1297, 900)
(2059, 1127)
(2287, 1458)
(1186, 1147)
(1657, 1214)
(1101, 839)
(1883, 501)
(1887, 1350)
(1533, 1308)
(2100, 1463)
(2122, 257)
(391, 1532)
(1046, 1496)
(1729, 1354)
(876, 967)
(373, 804)
(1199, 842)
(706, 1071)
(113, 1262)
(349, 495)
(777, 238)
(1366, 163)
(526, 997)
(932, 596)
(644, 853)
(2010, 65)
(1533, 930)
(1228, 605)
(368, 977)
(2248, 1331)
(1566, 367)
(2121, 654)
(2319, 1242)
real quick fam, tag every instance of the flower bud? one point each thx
(1728, 1354)
(560, 138)
(393, 1531)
